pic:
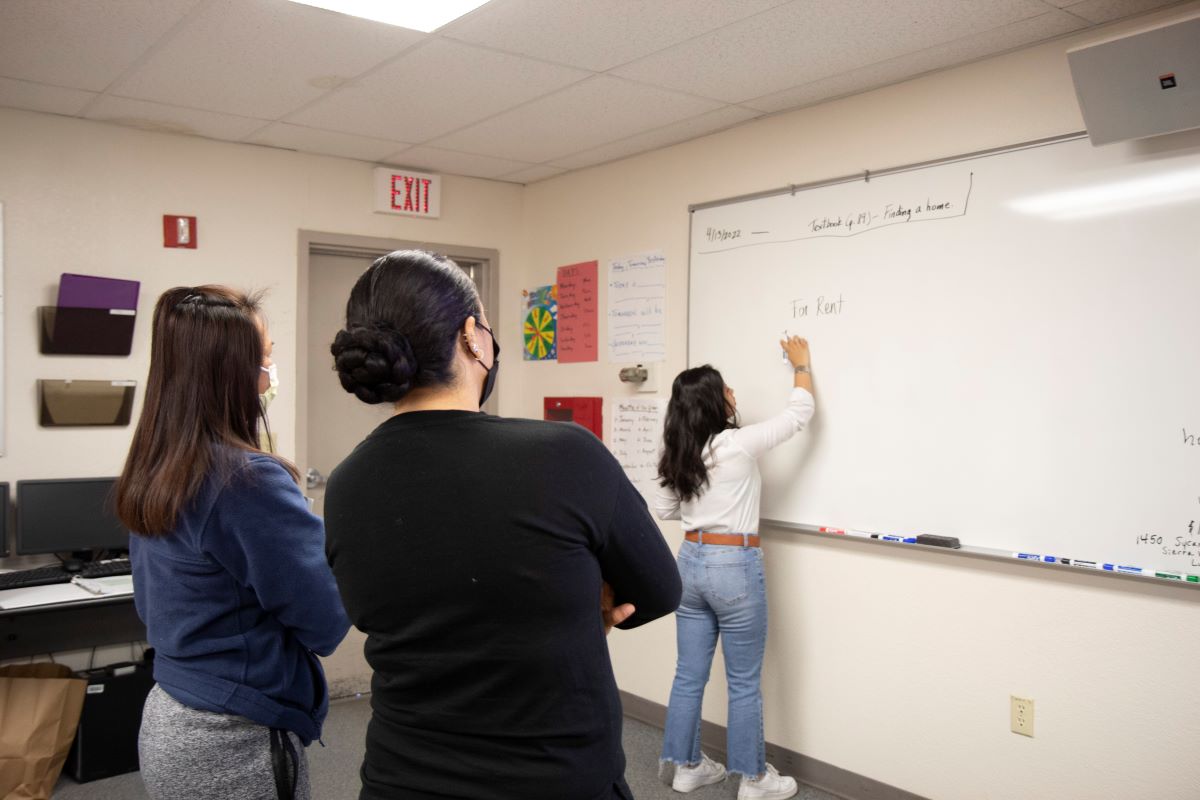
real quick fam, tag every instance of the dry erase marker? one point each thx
(831, 530)
(1027, 556)
(1127, 570)
(1173, 576)
(891, 538)
(1078, 562)
(783, 350)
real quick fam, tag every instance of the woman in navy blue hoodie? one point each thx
(229, 567)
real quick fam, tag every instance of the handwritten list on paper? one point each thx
(577, 312)
(636, 434)
(637, 298)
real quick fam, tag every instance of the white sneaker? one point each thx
(771, 786)
(704, 773)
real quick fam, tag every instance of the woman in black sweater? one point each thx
(472, 550)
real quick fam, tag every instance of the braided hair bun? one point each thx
(376, 363)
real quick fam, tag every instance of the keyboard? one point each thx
(38, 576)
(106, 569)
(44, 576)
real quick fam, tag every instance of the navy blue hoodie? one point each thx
(238, 601)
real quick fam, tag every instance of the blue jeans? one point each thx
(725, 593)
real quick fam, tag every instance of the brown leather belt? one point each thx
(734, 539)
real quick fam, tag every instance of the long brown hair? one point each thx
(696, 412)
(201, 407)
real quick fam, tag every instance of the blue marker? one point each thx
(906, 539)
(1028, 556)
(1125, 569)
(1049, 559)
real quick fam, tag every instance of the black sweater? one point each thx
(470, 549)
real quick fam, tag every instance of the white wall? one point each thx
(899, 667)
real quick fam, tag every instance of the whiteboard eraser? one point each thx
(938, 541)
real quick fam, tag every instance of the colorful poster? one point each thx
(637, 298)
(539, 323)
(578, 330)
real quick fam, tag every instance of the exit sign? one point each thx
(413, 194)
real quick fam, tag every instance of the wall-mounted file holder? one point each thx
(86, 331)
(92, 291)
(70, 403)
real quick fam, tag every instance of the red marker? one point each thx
(831, 530)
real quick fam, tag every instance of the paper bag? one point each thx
(39, 711)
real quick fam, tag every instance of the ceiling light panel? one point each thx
(417, 15)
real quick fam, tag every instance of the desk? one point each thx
(68, 619)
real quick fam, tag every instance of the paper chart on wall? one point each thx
(637, 425)
(577, 326)
(637, 298)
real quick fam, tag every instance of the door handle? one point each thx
(313, 478)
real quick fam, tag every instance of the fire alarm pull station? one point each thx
(179, 231)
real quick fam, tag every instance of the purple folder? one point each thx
(90, 291)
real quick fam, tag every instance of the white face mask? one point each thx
(272, 386)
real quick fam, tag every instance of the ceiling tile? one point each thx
(533, 174)
(435, 89)
(40, 97)
(586, 115)
(807, 41)
(432, 159)
(896, 70)
(661, 137)
(1101, 11)
(81, 44)
(262, 59)
(597, 36)
(172, 119)
(311, 140)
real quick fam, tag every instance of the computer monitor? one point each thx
(68, 515)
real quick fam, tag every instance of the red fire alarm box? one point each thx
(585, 411)
(179, 231)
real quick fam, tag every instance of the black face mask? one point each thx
(489, 382)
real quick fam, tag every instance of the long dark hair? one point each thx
(696, 412)
(201, 405)
(402, 324)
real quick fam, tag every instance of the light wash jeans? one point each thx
(725, 593)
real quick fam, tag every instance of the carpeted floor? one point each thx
(334, 768)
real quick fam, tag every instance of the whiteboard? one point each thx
(1006, 348)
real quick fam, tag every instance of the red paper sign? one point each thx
(578, 337)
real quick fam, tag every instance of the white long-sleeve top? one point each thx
(730, 502)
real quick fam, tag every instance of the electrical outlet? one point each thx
(1022, 715)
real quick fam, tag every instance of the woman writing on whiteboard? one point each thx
(709, 479)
